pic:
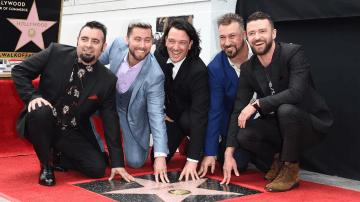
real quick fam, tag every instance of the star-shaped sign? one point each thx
(31, 28)
(174, 192)
(146, 189)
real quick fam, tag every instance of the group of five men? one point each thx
(173, 95)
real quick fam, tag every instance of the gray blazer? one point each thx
(146, 108)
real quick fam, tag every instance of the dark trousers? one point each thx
(77, 151)
(288, 131)
(242, 158)
(176, 132)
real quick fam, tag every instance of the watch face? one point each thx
(252, 101)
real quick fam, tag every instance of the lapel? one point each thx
(229, 70)
(141, 77)
(119, 56)
(260, 76)
(90, 84)
(68, 66)
(182, 73)
(275, 68)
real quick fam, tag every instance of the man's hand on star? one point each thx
(160, 169)
(123, 174)
(189, 169)
(245, 115)
(229, 165)
(205, 163)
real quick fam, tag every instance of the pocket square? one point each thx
(93, 97)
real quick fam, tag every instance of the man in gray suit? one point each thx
(293, 115)
(140, 96)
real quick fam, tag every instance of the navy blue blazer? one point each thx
(223, 82)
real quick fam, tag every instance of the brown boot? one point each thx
(287, 179)
(275, 167)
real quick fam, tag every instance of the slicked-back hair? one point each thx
(260, 16)
(229, 18)
(181, 24)
(96, 25)
(140, 24)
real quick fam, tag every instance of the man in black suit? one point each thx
(186, 92)
(293, 115)
(73, 85)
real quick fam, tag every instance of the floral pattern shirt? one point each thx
(65, 112)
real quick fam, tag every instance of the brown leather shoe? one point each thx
(287, 179)
(275, 167)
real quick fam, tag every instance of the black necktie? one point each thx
(169, 67)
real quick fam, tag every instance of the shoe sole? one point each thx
(47, 184)
(296, 185)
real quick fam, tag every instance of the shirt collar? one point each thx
(178, 64)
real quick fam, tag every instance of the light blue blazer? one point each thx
(145, 113)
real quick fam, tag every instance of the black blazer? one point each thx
(190, 91)
(293, 84)
(55, 65)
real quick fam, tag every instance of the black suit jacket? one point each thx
(190, 90)
(55, 65)
(293, 84)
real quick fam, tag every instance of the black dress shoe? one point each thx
(47, 177)
(56, 161)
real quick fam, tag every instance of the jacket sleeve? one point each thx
(155, 98)
(244, 93)
(28, 70)
(200, 96)
(216, 108)
(111, 125)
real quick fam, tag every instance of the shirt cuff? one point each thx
(158, 154)
(192, 160)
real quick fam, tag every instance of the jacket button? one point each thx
(119, 102)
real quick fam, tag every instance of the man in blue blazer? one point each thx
(224, 72)
(140, 96)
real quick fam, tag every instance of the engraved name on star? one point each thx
(163, 190)
(31, 28)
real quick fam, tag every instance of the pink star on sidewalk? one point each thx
(162, 190)
(31, 28)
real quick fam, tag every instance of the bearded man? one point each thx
(140, 97)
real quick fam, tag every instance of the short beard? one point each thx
(235, 53)
(266, 49)
(87, 59)
(136, 58)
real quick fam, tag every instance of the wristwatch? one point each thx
(254, 104)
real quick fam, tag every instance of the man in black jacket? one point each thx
(73, 85)
(186, 91)
(293, 115)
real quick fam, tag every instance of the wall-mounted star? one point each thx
(174, 192)
(31, 28)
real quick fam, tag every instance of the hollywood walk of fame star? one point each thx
(31, 28)
(174, 192)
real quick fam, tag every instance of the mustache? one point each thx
(229, 46)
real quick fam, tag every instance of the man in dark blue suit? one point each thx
(224, 72)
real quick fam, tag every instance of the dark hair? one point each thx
(140, 24)
(96, 25)
(190, 31)
(229, 18)
(260, 16)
